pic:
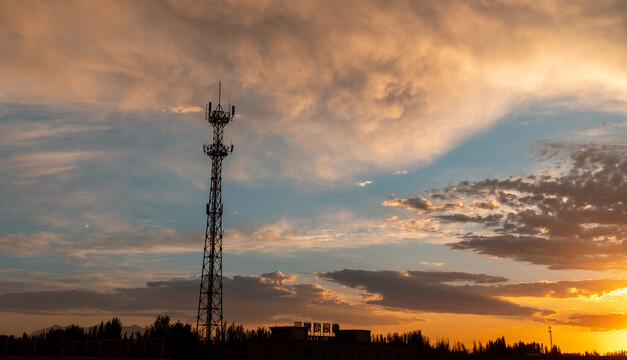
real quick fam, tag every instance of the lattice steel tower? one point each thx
(209, 322)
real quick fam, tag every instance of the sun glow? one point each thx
(614, 293)
(612, 341)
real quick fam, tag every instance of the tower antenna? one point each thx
(219, 92)
(209, 323)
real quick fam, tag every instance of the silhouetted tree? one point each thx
(497, 346)
(111, 330)
(181, 342)
(160, 327)
(72, 332)
(261, 334)
(237, 338)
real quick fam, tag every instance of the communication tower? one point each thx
(209, 322)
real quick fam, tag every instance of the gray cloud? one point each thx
(175, 296)
(275, 298)
(490, 220)
(576, 220)
(413, 203)
(451, 276)
(563, 289)
(427, 292)
(271, 298)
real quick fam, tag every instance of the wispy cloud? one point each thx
(184, 109)
(28, 134)
(22, 280)
(364, 183)
(431, 263)
(333, 231)
(162, 241)
(48, 163)
(75, 167)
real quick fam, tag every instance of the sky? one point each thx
(451, 166)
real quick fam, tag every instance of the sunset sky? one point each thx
(451, 166)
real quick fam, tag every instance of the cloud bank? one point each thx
(388, 298)
(428, 292)
(479, 294)
(271, 298)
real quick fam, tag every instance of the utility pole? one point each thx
(209, 323)
(551, 338)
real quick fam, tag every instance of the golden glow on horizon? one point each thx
(454, 327)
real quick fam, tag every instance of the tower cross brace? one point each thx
(209, 322)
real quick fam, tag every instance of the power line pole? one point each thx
(209, 322)
(551, 338)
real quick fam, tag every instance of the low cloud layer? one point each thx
(574, 220)
(277, 298)
(429, 292)
(602, 322)
(479, 294)
(272, 298)
(174, 296)
(563, 289)
(388, 298)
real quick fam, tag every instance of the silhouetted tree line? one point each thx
(182, 342)
(236, 338)
(111, 330)
(617, 353)
(443, 349)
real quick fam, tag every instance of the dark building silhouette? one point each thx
(295, 342)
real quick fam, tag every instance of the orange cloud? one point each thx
(338, 92)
